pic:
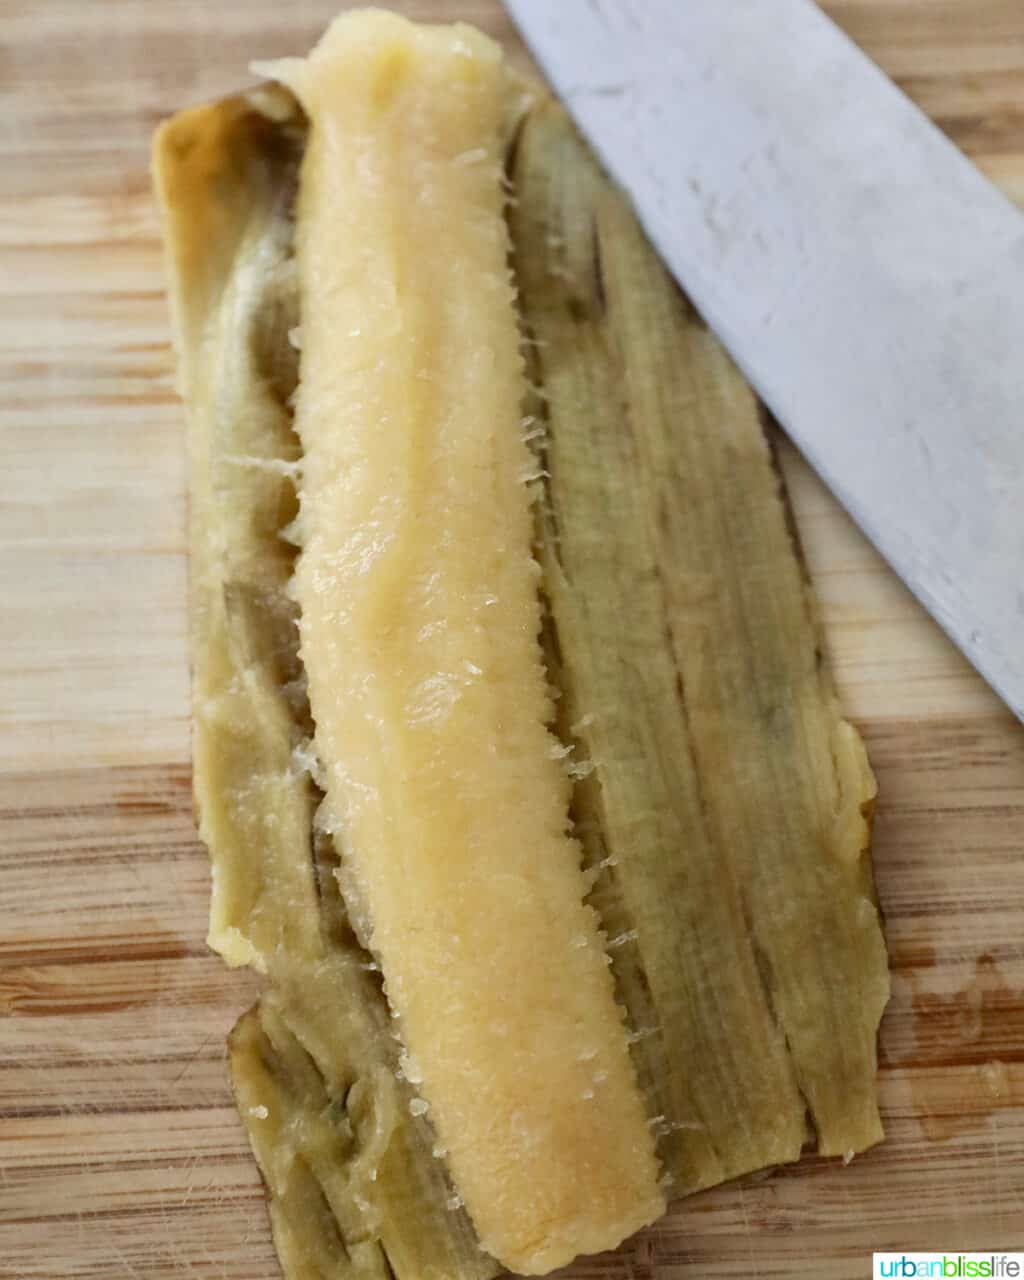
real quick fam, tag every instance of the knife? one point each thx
(864, 275)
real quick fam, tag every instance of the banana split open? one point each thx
(516, 750)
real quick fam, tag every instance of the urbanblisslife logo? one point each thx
(948, 1266)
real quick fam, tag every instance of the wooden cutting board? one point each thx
(120, 1152)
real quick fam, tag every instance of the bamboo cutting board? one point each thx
(120, 1152)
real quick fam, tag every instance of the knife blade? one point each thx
(864, 275)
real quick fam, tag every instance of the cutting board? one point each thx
(120, 1152)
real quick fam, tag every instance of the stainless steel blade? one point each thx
(865, 276)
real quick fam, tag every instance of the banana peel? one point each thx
(723, 803)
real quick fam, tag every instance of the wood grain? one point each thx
(121, 1154)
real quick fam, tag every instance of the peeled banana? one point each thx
(675, 824)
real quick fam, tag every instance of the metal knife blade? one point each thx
(864, 275)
